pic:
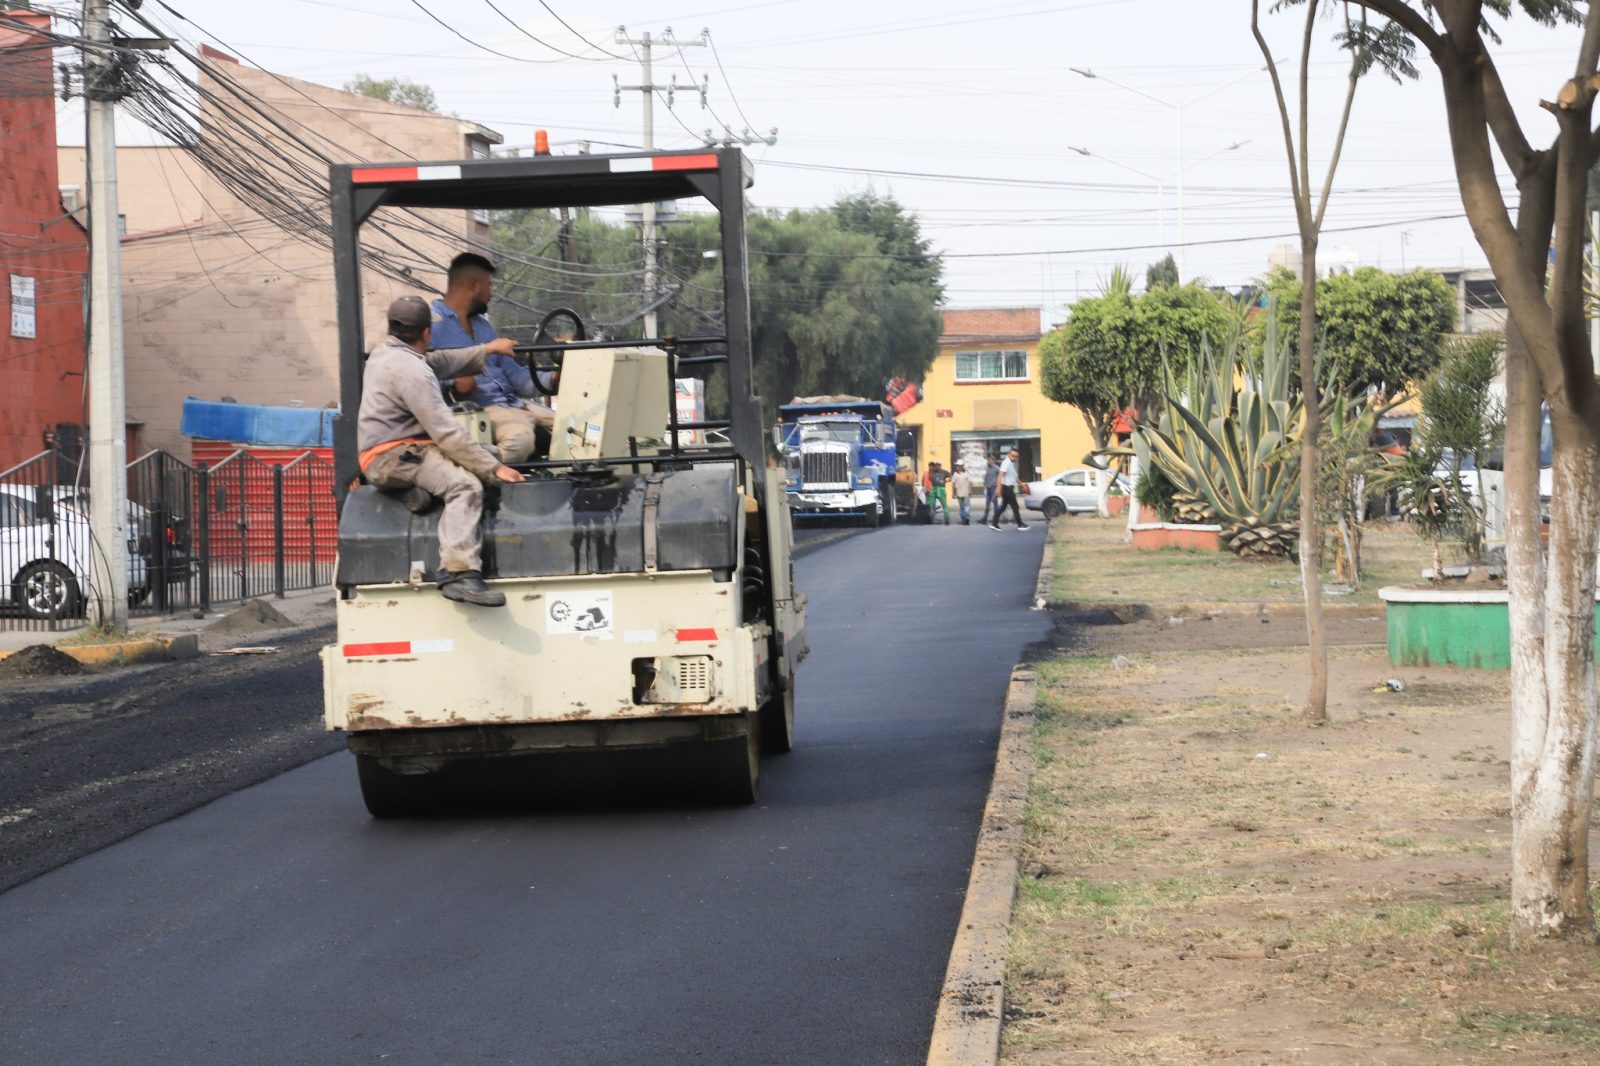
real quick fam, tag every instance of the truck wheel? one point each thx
(869, 515)
(890, 510)
(777, 723)
(386, 793)
(736, 765)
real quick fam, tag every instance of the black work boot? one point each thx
(466, 586)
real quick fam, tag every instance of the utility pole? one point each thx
(108, 444)
(647, 212)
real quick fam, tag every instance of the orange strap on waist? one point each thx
(378, 449)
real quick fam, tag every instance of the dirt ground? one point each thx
(1205, 879)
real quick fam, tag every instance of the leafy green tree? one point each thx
(1378, 330)
(1461, 420)
(401, 91)
(1109, 354)
(1162, 274)
(898, 233)
(841, 299)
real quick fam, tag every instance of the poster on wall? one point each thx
(22, 307)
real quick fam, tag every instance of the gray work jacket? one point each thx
(400, 400)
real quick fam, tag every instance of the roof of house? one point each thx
(991, 323)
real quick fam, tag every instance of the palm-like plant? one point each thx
(1220, 440)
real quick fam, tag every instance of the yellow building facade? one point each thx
(983, 396)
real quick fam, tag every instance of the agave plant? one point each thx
(1220, 440)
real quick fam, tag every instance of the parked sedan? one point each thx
(1075, 491)
(45, 552)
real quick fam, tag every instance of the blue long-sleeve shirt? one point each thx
(504, 383)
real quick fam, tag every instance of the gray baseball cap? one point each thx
(410, 312)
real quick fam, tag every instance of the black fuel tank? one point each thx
(554, 527)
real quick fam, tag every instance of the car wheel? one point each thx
(47, 591)
(1053, 508)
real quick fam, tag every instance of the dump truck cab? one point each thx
(648, 578)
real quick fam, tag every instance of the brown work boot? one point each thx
(466, 586)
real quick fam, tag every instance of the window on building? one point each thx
(1007, 365)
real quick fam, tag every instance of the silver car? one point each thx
(1075, 491)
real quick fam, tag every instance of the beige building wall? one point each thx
(220, 301)
(157, 188)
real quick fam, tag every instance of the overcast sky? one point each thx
(968, 114)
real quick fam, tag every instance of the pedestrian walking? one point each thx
(936, 481)
(1009, 483)
(961, 489)
(991, 486)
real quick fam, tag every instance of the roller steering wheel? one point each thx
(541, 335)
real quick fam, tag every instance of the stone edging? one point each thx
(966, 1027)
(127, 652)
(1165, 610)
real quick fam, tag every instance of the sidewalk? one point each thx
(306, 607)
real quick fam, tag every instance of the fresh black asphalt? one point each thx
(279, 924)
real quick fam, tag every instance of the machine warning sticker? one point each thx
(580, 614)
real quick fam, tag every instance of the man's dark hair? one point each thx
(407, 333)
(465, 262)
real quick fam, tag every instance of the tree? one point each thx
(1109, 354)
(898, 234)
(1552, 605)
(1094, 361)
(400, 91)
(1309, 212)
(841, 299)
(1379, 331)
(1162, 274)
(1460, 421)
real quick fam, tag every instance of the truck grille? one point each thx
(825, 468)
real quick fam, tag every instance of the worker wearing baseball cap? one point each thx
(411, 444)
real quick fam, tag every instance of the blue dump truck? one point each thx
(838, 458)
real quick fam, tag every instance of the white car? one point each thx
(44, 564)
(1075, 491)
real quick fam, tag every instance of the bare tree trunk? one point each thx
(1552, 797)
(1310, 209)
(1316, 705)
(1552, 608)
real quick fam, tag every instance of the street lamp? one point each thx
(1179, 109)
(1161, 185)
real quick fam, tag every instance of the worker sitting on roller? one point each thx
(410, 443)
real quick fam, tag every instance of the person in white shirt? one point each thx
(1008, 491)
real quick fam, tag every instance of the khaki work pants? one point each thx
(461, 524)
(514, 428)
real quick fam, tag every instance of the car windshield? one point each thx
(846, 432)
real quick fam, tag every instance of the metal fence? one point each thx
(196, 536)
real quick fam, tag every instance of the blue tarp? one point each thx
(243, 423)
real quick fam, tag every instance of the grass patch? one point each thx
(102, 634)
(1095, 566)
(1574, 1030)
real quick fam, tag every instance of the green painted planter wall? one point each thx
(1435, 633)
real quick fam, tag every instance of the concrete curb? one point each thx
(966, 1027)
(128, 652)
(1041, 586)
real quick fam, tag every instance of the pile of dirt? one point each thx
(256, 616)
(39, 660)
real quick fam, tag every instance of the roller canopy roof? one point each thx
(541, 181)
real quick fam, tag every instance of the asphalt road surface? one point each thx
(279, 924)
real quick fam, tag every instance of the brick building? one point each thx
(44, 254)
